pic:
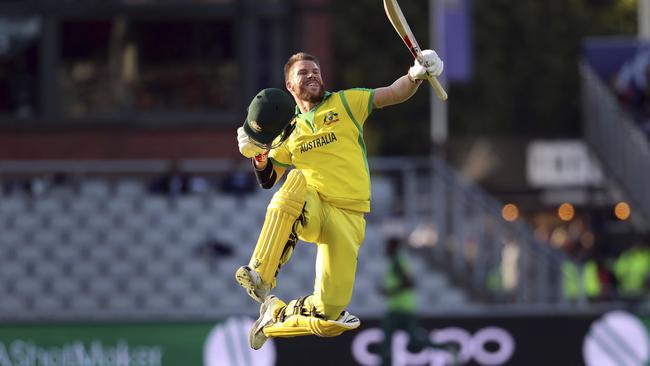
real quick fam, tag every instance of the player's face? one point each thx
(305, 81)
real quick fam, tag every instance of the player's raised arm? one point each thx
(404, 87)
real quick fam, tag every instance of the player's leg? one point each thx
(322, 313)
(389, 324)
(251, 280)
(313, 214)
(306, 227)
(271, 249)
(336, 261)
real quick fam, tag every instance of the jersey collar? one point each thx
(309, 116)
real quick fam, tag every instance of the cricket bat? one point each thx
(398, 21)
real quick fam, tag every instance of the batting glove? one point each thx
(247, 147)
(434, 68)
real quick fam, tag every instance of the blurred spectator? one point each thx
(599, 280)
(173, 183)
(594, 276)
(213, 250)
(34, 186)
(632, 269)
(177, 183)
(571, 283)
(241, 182)
(196, 184)
(588, 267)
(399, 290)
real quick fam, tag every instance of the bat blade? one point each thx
(397, 19)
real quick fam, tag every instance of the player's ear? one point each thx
(288, 85)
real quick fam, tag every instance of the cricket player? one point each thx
(322, 201)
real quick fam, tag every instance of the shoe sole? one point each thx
(245, 280)
(257, 328)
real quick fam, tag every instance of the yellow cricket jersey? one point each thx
(327, 146)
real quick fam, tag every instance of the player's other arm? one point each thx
(404, 87)
(266, 173)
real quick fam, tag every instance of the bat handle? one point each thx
(437, 87)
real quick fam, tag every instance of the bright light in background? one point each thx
(510, 212)
(566, 212)
(622, 211)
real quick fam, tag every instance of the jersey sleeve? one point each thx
(281, 156)
(359, 101)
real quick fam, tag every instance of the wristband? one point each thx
(266, 177)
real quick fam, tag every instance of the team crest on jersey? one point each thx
(255, 126)
(330, 118)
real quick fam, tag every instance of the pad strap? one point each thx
(301, 325)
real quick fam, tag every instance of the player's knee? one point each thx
(331, 307)
(295, 175)
(295, 182)
(290, 199)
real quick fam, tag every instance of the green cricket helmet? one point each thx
(269, 116)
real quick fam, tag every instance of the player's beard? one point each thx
(310, 97)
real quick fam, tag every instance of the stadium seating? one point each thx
(108, 248)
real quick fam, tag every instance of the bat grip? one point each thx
(437, 87)
(435, 84)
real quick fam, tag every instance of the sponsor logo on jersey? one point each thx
(318, 142)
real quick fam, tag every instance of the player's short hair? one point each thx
(300, 56)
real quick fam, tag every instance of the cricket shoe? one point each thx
(348, 320)
(256, 337)
(252, 282)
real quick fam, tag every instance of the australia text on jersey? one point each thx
(318, 142)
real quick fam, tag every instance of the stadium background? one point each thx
(125, 206)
